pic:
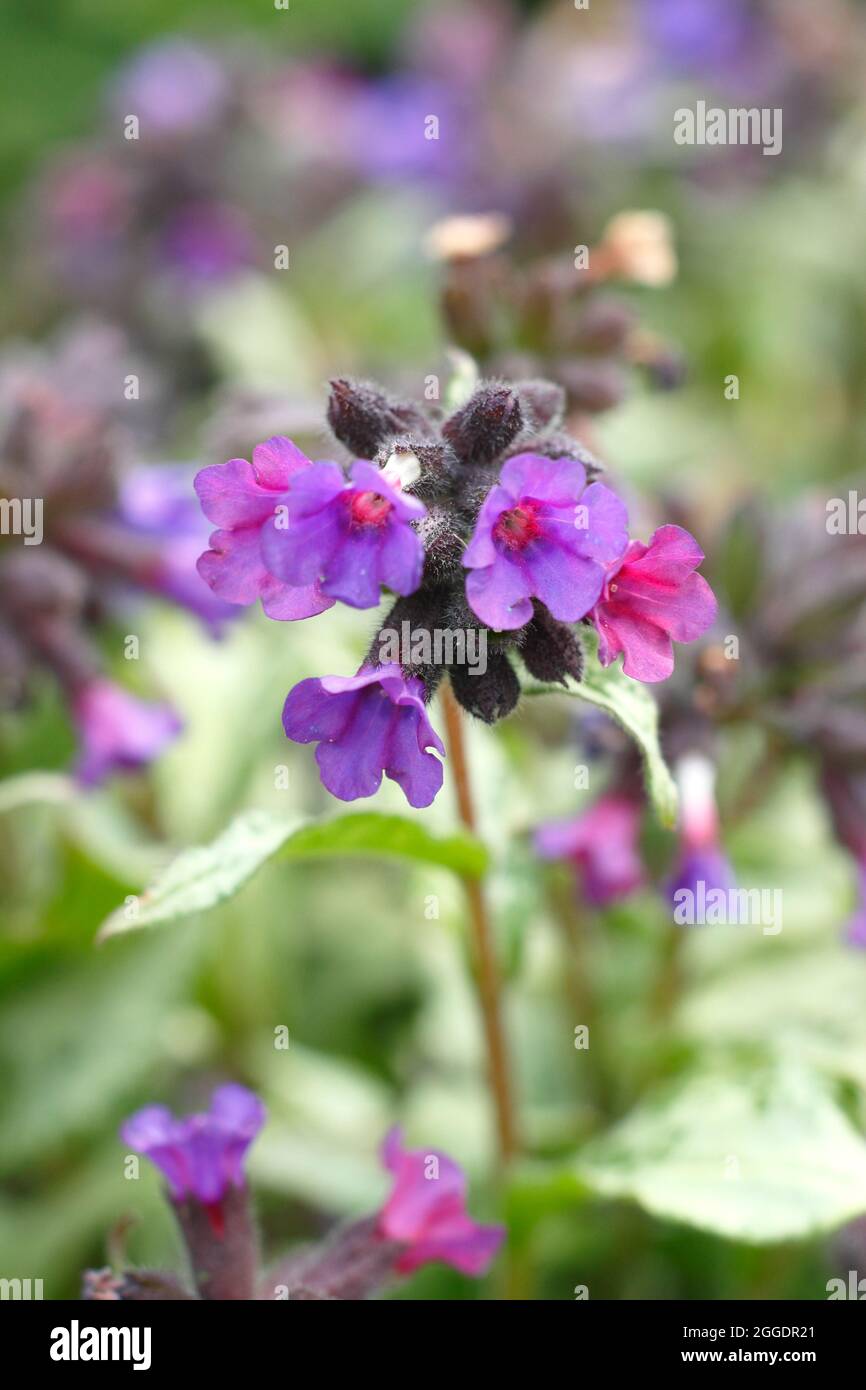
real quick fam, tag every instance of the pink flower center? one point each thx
(518, 526)
(368, 508)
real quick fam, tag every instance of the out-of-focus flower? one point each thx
(653, 597)
(701, 864)
(173, 87)
(201, 1156)
(542, 533)
(426, 1212)
(639, 246)
(117, 732)
(463, 237)
(603, 845)
(243, 498)
(159, 501)
(365, 725)
(353, 539)
(205, 243)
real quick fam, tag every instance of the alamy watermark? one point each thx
(729, 907)
(22, 516)
(739, 125)
(439, 646)
(846, 516)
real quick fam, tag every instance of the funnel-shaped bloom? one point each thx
(651, 599)
(243, 499)
(200, 1155)
(542, 533)
(602, 843)
(365, 725)
(354, 537)
(426, 1212)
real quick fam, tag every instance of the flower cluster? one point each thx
(83, 530)
(491, 521)
(201, 1156)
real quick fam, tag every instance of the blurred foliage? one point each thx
(763, 1055)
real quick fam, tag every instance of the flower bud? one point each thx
(486, 424)
(365, 419)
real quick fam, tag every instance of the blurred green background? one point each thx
(731, 1170)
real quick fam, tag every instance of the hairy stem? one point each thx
(486, 968)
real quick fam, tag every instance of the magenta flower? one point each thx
(365, 725)
(426, 1212)
(202, 1155)
(855, 930)
(355, 538)
(602, 843)
(117, 731)
(542, 533)
(651, 597)
(243, 499)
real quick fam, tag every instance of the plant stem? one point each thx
(486, 969)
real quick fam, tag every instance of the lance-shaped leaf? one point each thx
(633, 707)
(200, 878)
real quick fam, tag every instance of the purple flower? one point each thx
(542, 533)
(652, 598)
(855, 930)
(699, 871)
(173, 87)
(159, 502)
(426, 1212)
(602, 843)
(118, 733)
(354, 538)
(202, 1155)
(242, 498)
(205, 243)
(365, 725)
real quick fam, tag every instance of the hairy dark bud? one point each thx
(550, 650)
(542, 403)
(486, 424)
(365, 419)
(490, 696)
(592, 386)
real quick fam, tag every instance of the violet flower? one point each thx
(542, 533)
(602, 843)
(653, 597)
(354, 540)
(365, 725)
(117, 731)
(426, 1212)
(242, 499)
(201, 1156)
(158, 501)
(174, 88)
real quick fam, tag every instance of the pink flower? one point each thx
(426, 1212)
(650, 597)
(242, 499)
(602, 843)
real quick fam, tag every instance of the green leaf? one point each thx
(633, 707)
(757, 1154)
(202, 877)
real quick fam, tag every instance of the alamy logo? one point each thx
(739, 125)
(443, 646)
(23, 1289)
(854, 1288)
(846, 516)
(76, 1343)
(22, 516)
(731, 907)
